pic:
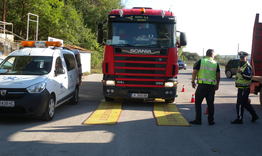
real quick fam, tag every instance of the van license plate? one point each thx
(139, 95)
(7, 103)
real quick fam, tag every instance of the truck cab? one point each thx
(140, 58)
(36, 79)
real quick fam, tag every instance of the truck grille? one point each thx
(140, 70)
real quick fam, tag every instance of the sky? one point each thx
(223, 25)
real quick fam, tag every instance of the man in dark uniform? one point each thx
(207, 73)
(243, 81)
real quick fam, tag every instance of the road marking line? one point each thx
(106, 113)
(168, 115)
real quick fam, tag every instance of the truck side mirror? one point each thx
(182, 41)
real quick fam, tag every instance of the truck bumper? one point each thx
(130, 92)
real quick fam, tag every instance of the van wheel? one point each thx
(50, 110)
(171, 100)
(75, 98)
(228, 74)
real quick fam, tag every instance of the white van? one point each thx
(37, 78)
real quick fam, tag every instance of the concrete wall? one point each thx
(86, 62)
(7, 36)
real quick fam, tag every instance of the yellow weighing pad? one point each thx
(106, 113)
(168, 115)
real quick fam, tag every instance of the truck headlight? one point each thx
(110, 83)
(37, 88)
(169, 84)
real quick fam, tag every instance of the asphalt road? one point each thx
(136, 133)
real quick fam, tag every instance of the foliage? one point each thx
(95, 11)
(191, 56)
(181, 54)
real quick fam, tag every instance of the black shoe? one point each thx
(211, 123)
(237, 121)
(254, 118)
(195, 122)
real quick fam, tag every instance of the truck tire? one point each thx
(108, 99)
(260, 96)
(171, 100)
(50, 110)
(228, 74)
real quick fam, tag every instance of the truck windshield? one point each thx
(141, 34)
(26, 65)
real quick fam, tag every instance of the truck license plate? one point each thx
(7, 103)
(139, 95)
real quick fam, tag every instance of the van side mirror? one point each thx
(59, 71)
(182, 41)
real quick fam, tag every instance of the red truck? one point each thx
(256, 58)
(140, 57)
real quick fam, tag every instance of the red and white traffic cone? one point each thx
(193, 98)
(183, 89)
(206, 112)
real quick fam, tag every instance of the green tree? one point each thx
(95, 11)
(191, 56)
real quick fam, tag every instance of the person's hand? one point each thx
(193, 85)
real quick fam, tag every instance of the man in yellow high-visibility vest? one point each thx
(207, 73)
(243, 81)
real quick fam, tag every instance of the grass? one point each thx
(96, 71)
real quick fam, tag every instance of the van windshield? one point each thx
(26, 65)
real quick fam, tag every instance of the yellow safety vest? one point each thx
(207, 71)
(240, 81)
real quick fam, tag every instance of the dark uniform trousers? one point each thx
(243, 102)
(205, 91)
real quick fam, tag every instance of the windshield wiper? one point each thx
(122, 45)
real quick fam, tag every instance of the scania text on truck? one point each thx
(256, 58)
(140, 58)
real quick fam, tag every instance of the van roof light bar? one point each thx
(41, 44)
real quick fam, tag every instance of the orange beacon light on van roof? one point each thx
(41, 44)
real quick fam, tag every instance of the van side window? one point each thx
(58, 66)
(70, 61)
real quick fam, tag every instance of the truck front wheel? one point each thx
(108, 99)
(171, 100)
